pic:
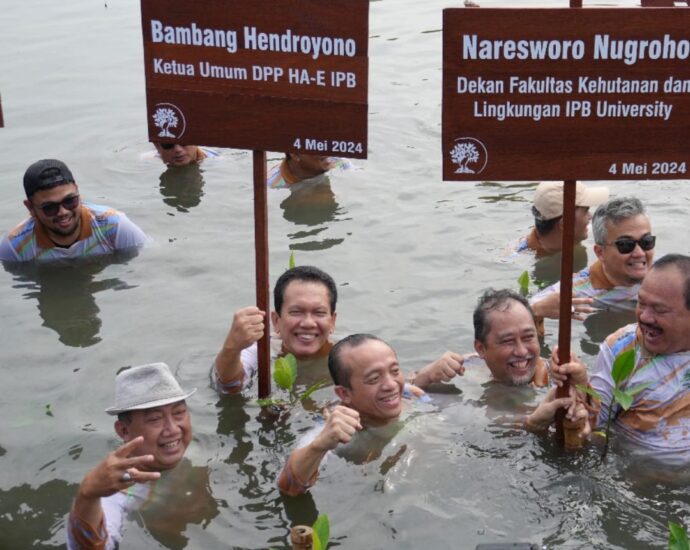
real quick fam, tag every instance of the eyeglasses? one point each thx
(70, 202)
(168, 146)
(626, 245)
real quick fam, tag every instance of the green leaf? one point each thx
(285, 372)
(637, 389)
(269, 401)
(623, 366)
(311, 389)
(677, 537)
(622, 398)
(600, 433)
(589, 391)
(523, 281)
(322, 532)
(291, 261)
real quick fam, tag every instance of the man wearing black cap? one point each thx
(61, 226)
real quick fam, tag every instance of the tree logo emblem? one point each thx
(470, 155)
(170, 120)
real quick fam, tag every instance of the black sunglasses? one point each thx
(70, 202)
(168, 146)
(626, 245)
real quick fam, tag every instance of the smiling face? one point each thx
(167, 432)
(625, 269)
(305, 320)
(663, 319)
(511, 347)
(376, 382)
(64, 226)
(178, 155)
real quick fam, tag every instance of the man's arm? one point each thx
(545, 413)
(302, 467)
(86, 522)
(246, 329)
(444, 369)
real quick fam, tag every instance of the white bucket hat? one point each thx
(548, 198)
(145, 387)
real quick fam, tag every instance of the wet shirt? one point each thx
(592, 282)
(281, 176)
(528, 243)
(659, 417)
(103, 230)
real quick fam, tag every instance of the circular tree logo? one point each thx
(470, 155)
(170, 120)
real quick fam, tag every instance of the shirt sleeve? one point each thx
(7, 251)
(250, 361)
(129, 235)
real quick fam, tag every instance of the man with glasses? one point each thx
(61, 226)
(624, 246)
(174, 154)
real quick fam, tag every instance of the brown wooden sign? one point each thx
(278, 75)
(558, 94)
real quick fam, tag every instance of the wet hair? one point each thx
(340, 372)
(614, 211)
(494, 300)
(544, 227)
(305, 273)
(682, 264)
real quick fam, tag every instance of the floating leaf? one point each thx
(322, 532)
(589, 391)
(285, 372)
(291, 261)
(622, 398)
(523, 281)
(677, 537)
(623, 366)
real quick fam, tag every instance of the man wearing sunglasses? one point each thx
(61, 226)
(624, 246)
(174, 154)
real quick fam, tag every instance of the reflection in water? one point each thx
(31, 517)
(181, 497)
(65, 294)
(547, 270)
(600, 325)
(182, 187)
(312, 204)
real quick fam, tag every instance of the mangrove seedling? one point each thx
(523, 281)
(677, 537)
(622, 369)
(322, 532)
(284, 375)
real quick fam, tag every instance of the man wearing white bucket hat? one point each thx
(153, 422)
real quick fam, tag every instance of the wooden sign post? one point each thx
(278, 75)
(563, 94)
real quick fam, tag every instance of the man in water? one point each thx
(658, 419)
(297, 167)
(153, 422)
(61, 226)
(625, 251)
(175, 155)
(371, 388)
(546, 237)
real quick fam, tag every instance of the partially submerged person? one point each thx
(624, 246)
(155, 425)
(546, 237)
(371, 388)
(61, 226)
(298, 167)
(176, 155)
(304, 318)
(658, 419)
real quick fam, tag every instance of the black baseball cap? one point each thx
(44, 174)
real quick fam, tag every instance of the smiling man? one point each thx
(153, 421)
(61, 226)
(371, 387)
(625, 251)
(176, 155)
(304, 318)
(659, 418)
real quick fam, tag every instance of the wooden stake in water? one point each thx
(261, 255)
(301, 537)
